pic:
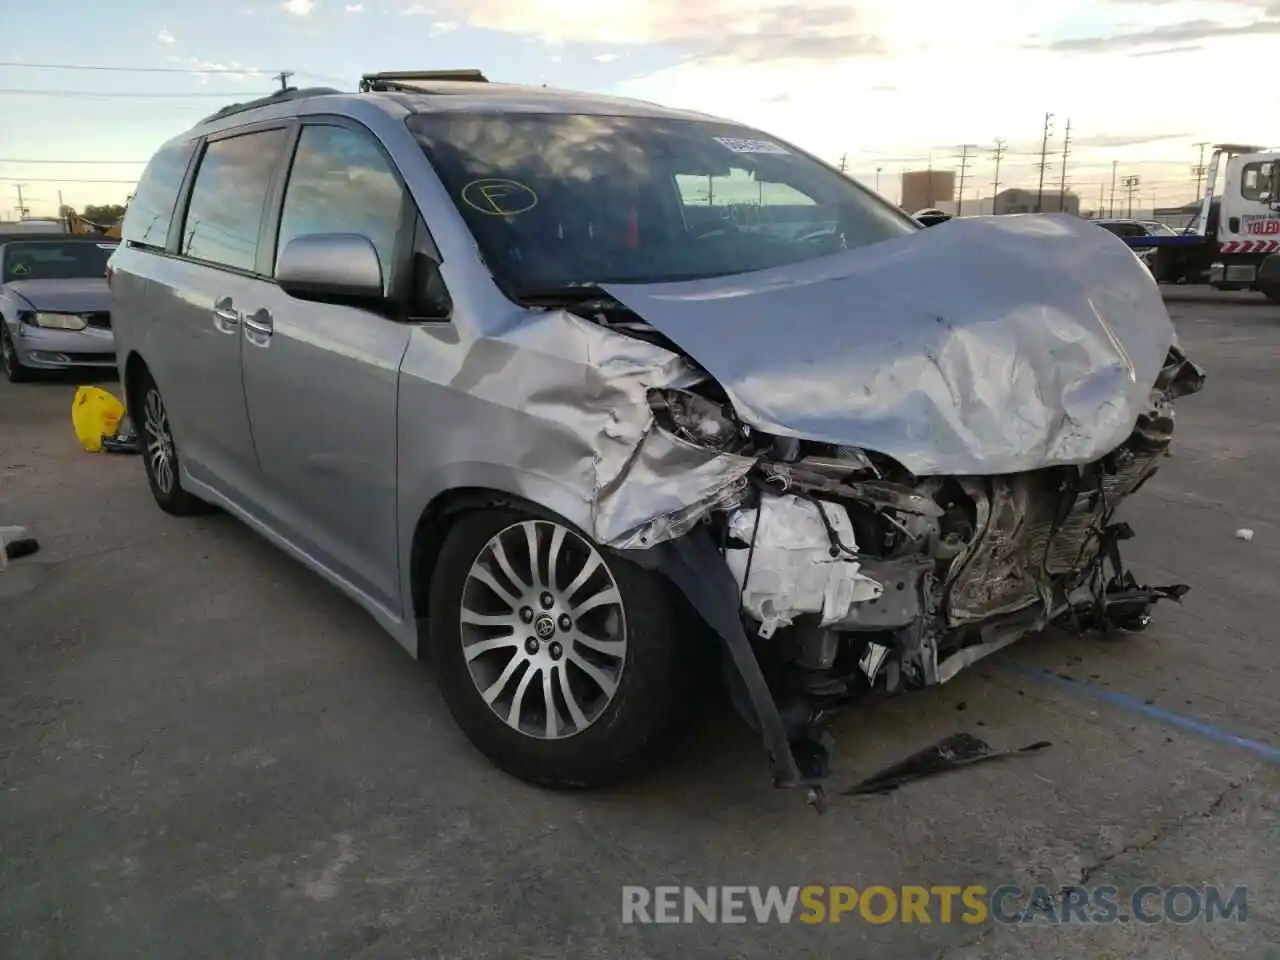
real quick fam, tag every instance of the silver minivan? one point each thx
(573, 391)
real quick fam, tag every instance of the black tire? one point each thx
(1272, 294)
(14, 371)
(662, 668)
(166, 489)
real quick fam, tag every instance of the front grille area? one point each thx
(1073, 545)
(1018, 556)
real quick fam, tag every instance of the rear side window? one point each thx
(1254, 179)
(146, 222)
(228, 199)
(342, 183)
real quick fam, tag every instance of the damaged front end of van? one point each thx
(866, 482)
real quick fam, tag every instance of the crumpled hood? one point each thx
(984, 346)
(89, 295)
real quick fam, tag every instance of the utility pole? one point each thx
(1062, 187)
(1131, 184)
(1102, 200)
(1199, 170)
(997, 155)
(22, 207)
(1044, 163)
(964, 169)
(844, 163)
(878, 169)
(1114, 164)
(284, 75)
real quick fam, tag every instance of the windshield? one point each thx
(556, 200)
(52, 260)
(1157, 229)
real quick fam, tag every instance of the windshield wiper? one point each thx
(566, 293)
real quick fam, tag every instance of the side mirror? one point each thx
(330, 266)
(1271, 192)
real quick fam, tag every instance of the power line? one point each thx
(62, 180)
(14, 160)
(191, 71)
(116, 69)
(141, 95)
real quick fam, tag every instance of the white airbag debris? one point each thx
(792, 571)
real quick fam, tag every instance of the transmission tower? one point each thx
(1199, 170)
(1130, 184)
(997, 155)
(1044, 160)
(964, 170)
(1062, 186)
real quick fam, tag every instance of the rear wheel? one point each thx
(564, 664)
(13, 369)
(160, 453)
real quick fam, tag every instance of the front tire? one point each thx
(14, 371)
(563, 663)
(160, 453)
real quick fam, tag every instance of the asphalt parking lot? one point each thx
(206, 752)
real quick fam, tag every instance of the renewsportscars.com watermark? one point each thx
(1007, 904)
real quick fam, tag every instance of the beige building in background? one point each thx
(927, 188)
(1024, 201)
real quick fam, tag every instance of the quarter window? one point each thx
(341, 182)
(228, 198)
(1255, 179)
(146, 222)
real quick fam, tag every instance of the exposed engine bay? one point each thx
(863, 483)
(856, 577)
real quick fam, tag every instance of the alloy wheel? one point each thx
(159, 441)
(543, 629)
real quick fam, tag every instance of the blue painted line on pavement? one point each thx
(1126, 702)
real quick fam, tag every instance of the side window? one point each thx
(342, 183)
(1254, 179)
(146, 222)
(228, 198)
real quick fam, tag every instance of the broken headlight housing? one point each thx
(697, 419)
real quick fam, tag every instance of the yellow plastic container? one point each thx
(95, 413)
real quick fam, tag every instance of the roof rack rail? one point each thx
(280, 96)
(403, 80)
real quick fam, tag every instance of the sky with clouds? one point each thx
(889, 84)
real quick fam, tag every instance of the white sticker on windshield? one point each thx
(740, 145)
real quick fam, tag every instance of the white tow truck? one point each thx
(1230, 238)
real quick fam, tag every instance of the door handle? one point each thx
(258, 327)
(225, 316)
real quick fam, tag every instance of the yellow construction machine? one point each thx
(79, 225)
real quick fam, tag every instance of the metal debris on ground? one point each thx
(1244, 533)
(951, 753)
